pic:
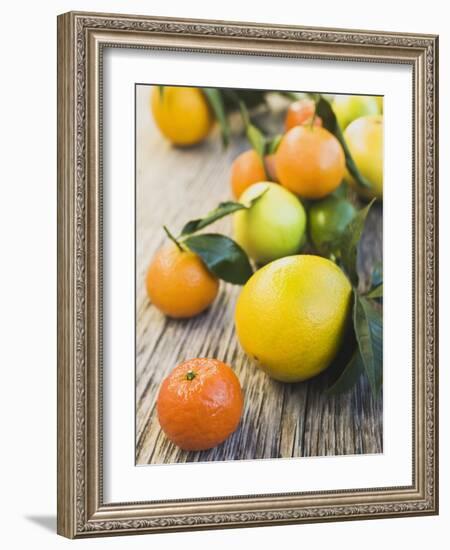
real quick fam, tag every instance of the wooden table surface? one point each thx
(279, 420)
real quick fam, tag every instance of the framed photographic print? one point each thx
(247, 276)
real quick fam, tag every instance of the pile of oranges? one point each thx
(292, 313)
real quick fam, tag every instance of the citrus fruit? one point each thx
(292, 314)
(247, 168)
(327, 220)
(364, 137)
(380, 99)
(301, 112)
(182, 114)
(269, 163)
(350, 107)
(200, 404)
(274, 226)
(178, 282)
(310, 162)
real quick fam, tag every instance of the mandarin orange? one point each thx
(247, 169)
(200, 404)
(301, 112)
(310, 162)
(178, 282)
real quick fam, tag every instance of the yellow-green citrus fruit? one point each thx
(182, 114)
(350, 107)
(327, 220)
(364, 138)
(379, 99)
(273, 227)
(292, 314)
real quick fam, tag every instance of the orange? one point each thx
(182, 114)
(310, 162)
(269, 162)
(301, 112)
(200, 404)
(247, 169)
(178, 282)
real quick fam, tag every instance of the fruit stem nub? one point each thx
(172, 238)
(190, 375)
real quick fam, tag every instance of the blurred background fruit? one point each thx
(247, 168)
(364, 137)
(310, 162)
(350, 107)
(292, 314)
(273, 227)
(178, 282)
(200, 404)
(327, 220)
(182, 114)
(380, 102)
(301, 112)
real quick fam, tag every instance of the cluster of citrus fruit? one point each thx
(290, 214)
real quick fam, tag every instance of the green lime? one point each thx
(327, 220)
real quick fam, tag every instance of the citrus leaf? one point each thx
(216, 102)
(256, 139)
(376, 292)
(377, 274)
(254, 135)
(222, 210)
(348, 244)
(368, 325)
(329, 121)
(222, 256)
(349, 376)
(272, 144)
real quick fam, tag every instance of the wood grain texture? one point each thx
(279, 420)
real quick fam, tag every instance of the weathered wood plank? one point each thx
(280, 420)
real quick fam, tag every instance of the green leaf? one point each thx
(256, 139)
(272, 144)
(254, 135)
(222, 210)
(216, 102)
(376, 292)
(349, 376)
(368, 325)
(329, 121)
(348, 243)
(377, 274)
(222, 256)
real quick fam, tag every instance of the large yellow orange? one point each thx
(310, 162)
(292, 314)
(182, 114)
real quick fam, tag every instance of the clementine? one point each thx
(301, 112)
(247, 168)
(178, 282)
(200, 404)
(310, 162)
(182, 114)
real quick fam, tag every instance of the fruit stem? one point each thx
(190, 375)
(172, 238)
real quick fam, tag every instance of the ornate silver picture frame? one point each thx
(82, 39)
